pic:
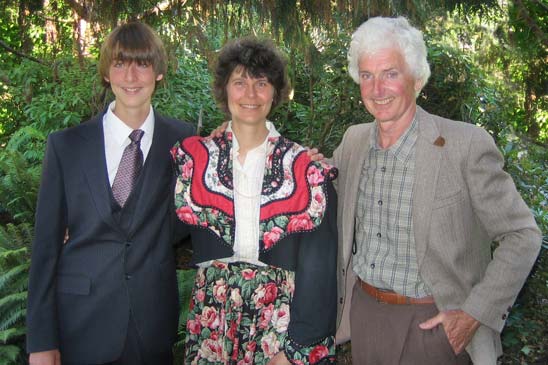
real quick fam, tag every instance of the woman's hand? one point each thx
(279, 359)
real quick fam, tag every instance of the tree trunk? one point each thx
(78, 29)
(23, 23)
(52, 36)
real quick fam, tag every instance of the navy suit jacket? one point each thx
(81, 292)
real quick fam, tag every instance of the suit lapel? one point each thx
(154, 170)
(427, 166)
(95, 168)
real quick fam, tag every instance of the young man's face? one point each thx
(133, 84)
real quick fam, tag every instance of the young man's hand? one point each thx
(51, 357)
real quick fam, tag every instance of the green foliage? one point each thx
(488, 64)
(325, 99)
(15, 241)
(185, 280)
(524, 336)
(19, 181)
(186, 93)
(49, 97)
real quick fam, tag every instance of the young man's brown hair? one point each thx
(132, 42)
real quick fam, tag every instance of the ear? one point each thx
(418, 85)
(159, 77)
(106, 79)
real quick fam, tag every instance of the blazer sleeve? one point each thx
(311, 332)
(50, 228)
(507, 221)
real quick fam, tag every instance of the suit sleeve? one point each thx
(49, 234)
(311, 332)
(509, 222)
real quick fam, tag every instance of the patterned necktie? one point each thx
(129, 168)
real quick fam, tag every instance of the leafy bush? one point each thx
(14, 265)
(185, 280)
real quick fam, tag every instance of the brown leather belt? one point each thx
(390, 297)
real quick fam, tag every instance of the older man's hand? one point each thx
(458, 325)
(314, 154)
(217, 132)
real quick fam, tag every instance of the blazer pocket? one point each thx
(447, 199)
(73, 284)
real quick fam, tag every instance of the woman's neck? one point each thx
(249, 137)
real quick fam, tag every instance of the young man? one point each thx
(102, 285)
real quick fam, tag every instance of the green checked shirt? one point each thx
(386, 256)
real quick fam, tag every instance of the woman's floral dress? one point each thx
(242, 313)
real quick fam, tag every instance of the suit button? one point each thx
(343, 271)
(379, 234)
(128, 244)
(504, 316)
(340, 300)
(372, 266)
(128, 277)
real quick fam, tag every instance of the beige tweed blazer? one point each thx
(462, 201)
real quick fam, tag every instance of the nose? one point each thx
(377, 86)
(250, 91)
(131, 72)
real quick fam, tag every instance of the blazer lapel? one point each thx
(427, 166)
(157, 161)
(94, 167)
(359, 156)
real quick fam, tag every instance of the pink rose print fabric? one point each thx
(239, 314)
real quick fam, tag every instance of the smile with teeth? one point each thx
(249, 106)
(131, 89)
(383, 101)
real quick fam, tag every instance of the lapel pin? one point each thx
(440, 141)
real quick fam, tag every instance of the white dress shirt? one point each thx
(248, 183)
(116, 134)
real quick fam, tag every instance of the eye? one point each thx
(143, 64)
(366, 76)
(263, 83)
(392, 74)
(118, 63)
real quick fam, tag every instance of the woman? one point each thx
(264, 227)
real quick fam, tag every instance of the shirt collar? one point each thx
(404, 146)
(263, 147)
(120, 131)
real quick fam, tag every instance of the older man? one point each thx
(421, 199)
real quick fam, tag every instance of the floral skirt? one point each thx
(239, 314)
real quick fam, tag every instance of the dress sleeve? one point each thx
(310, 337)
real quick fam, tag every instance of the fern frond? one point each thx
(14, 319)
(9, 354)
(13, 276)
(12, 334)
(16, 236)
(13, 299)
(19, 182)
